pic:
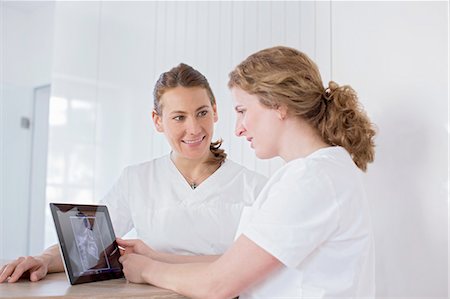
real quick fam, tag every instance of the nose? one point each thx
(193, 127)
(240, 129)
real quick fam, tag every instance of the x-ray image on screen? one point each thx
(88, 243)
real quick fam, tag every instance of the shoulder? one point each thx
(146, 168)
(327, 161)
(300, 176)
(334, 163)
(143, 166)
(326, 170)
(243, 172)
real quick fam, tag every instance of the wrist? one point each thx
(44, 259)
(49, 261)
(161, 256)
(146, 273)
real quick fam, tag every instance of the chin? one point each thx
(263, 155)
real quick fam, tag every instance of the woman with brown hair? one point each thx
(186, 204)
(308, 234)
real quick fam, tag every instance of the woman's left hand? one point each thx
(134, 265)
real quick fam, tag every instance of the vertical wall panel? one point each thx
(240, 15)
(293, 24)
(323, 38)
(224, 103)
(307, 28)
(249, 25)
(277, 23)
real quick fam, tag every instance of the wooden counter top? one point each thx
(56, 285)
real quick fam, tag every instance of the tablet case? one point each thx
(87, 242)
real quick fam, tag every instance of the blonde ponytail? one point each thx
(345, 123)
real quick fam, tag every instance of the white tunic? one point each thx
(155, 199)
(313, 216)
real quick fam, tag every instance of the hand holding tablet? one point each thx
(87, 242)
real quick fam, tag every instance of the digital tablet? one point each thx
(87, 242)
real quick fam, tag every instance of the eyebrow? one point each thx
(202, 107)
(184, 112)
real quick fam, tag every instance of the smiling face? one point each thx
(187, 121)
(260, 125)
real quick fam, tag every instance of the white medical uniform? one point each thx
(170, 216)
(313, 217)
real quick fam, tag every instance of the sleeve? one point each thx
(253, 184)
(260, 182)
(117, 201)
(298, 214)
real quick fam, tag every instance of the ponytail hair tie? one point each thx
(329, 91)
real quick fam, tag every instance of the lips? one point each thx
(193, 141)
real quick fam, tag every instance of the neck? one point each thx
(299, 139)
(194, 171)
(189, 165)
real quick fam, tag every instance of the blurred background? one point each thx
(76, 101)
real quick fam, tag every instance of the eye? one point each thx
(179, 117)
(240, 111)
(202, 113)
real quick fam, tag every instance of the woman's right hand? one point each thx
(34, 266)
(136, 246)
(139, 247)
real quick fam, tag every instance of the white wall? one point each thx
(395, 54)
(26, 45)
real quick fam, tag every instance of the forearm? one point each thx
(53, 259)
(243, 265)
(194, 280)
(183, 259)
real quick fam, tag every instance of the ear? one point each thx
(216, 116)
(157, 121)
(282, 111)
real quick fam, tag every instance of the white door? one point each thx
(38, 170)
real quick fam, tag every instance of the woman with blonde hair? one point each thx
(308, 234)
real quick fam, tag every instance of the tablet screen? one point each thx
(87, 242)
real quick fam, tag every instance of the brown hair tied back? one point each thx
(328, 93)
(186, 76)
(347, 124)
(286, 76)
